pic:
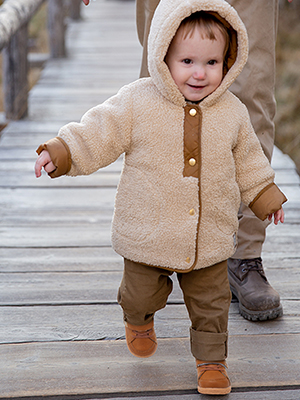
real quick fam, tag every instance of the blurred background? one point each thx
(287, 80)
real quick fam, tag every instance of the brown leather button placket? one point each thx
(192, 125)
(192, 156)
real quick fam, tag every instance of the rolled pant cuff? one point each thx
(207, 346)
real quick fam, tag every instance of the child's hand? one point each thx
(43, 160)
(278, 216)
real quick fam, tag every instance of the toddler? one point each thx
(191, 156)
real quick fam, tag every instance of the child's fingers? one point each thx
(43, 160)
(38, 171)
(279, 216)
(49, 167)
(282, 216)
(38, 166)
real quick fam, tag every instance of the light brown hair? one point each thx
(208, 23)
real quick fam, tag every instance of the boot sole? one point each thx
(142, 355)
(214, 391)
(251, 315)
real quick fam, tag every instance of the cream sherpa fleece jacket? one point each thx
(164, 217)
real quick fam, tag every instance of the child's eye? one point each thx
(212, 62)
(187, 61)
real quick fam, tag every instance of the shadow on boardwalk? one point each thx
(60, 322)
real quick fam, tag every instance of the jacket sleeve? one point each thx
(102, 135)
(268, 201)
(253, 170)
(60, 156)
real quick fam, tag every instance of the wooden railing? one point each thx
(14, 19)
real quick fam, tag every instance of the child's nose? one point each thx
(199, 72)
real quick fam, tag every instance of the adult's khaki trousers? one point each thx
(145, 290)
(255, 88)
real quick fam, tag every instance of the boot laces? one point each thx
(143, 334)
(253, 264)
(212, 366)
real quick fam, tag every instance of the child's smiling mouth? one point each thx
(196, 87)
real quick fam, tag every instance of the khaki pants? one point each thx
(145, 290)
(255, 88)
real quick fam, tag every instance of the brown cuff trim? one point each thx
(208, 346)
(60, 156)
(260, 194)
(268, 201)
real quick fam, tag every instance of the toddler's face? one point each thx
(196, 63)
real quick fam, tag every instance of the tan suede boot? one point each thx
(141, 340)
(212, 377)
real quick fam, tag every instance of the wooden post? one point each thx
(74, 9)
(13, 14)
(56, 28)
(15, 72)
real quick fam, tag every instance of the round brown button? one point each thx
(192, 212)
(188, 260)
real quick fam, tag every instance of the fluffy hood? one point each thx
(165, 23)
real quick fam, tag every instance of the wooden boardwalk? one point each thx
(61, 330)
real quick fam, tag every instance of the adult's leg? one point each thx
(255, 87)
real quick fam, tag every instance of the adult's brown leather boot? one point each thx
(212, 377)
(141, 340)
(258, 301)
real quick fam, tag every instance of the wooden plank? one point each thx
(98, 68)
(91, 367)
(96, 287)
(62, 199)
(62, 288)
(72, 235)
(105, 322)
(13, 180)
(24, 260)
(102, 217)
(43, 111)
(27, 126)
